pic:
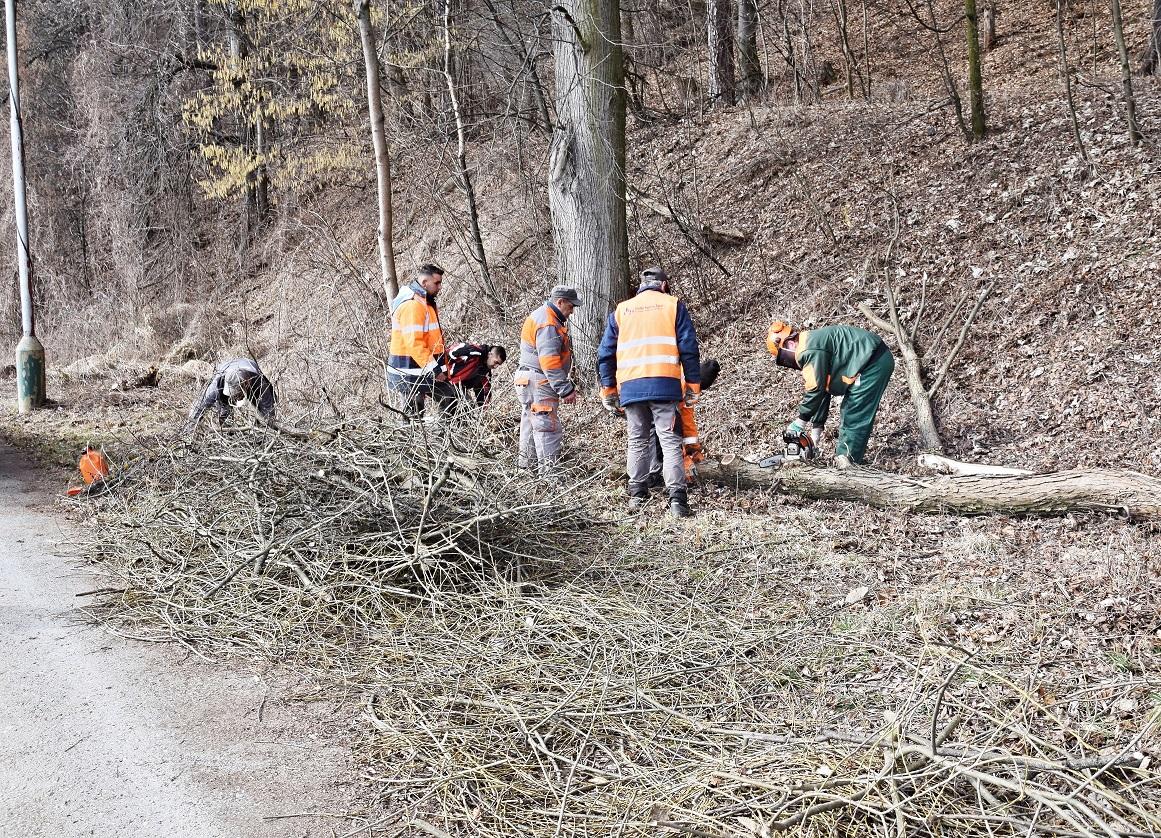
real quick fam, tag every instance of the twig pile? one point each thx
(638, 695)
(262, 537)
(611, 715)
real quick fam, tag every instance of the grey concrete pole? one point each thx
(29, 352)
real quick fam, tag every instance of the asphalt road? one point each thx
(103, 736)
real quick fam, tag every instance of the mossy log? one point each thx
(1055, 493)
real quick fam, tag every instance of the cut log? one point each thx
(1055, 493)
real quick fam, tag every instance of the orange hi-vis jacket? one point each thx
(416, 338)
(647, 337)
(545, 347)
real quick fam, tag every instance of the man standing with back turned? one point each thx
(649, 344)
(544, 380)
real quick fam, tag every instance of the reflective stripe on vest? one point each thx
(647, 337)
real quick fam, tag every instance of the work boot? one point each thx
(842, 461)
(679, 505)
(637, 503)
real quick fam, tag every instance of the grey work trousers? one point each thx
(541, 436)
(644, 418)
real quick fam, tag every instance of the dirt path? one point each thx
(101, 736)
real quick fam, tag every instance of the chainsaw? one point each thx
(799, 447)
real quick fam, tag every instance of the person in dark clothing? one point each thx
(233, 382)
(469, 370)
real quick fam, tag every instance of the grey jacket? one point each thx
(232, 381)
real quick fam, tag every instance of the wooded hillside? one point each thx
(199, 170)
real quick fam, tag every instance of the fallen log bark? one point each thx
(1055, 493)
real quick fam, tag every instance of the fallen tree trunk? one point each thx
(1055, 493)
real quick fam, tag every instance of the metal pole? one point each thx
(29, 352)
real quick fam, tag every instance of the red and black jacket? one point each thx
(467, 367)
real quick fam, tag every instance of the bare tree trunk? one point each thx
(261, 173)
(1151, 59)
(1056, 493)
(462, 163)
(1126, 75)
(721, 52)
(586, 178)
(809, 65)
(945, 67)
(1066, 79)
(989, 25)
(867, 47)
(842, 20)
(975, 71)
(749, 65)
(382, 156)
(791, 59)
(249, 122)
(929, 439)
(633, 79)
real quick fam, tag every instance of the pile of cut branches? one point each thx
(636, 692)
(247, 536)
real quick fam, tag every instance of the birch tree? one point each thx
(721, 52)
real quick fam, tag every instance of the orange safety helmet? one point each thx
(779, 333)
(93, 466)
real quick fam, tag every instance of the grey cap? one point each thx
(653, 277)
(563, 292)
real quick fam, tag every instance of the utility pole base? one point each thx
(29, 374)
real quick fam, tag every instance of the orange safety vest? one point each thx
(647, 337)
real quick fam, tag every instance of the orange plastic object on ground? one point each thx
(93, 466)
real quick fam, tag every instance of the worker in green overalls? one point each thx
(835, 361)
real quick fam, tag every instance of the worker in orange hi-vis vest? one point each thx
(544, 380)
(649, 363)
(416, 366)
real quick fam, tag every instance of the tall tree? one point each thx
(721, 51)
(1151, 59)
(586, 178)
(749, 65)
(1066, 80)
(382, 156)
(975, 70)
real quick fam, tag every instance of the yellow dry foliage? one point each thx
(265, 108)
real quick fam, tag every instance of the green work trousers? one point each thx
(860, 405)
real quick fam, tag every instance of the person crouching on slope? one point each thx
(648, 346)
(835, 361)
(232, 383)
